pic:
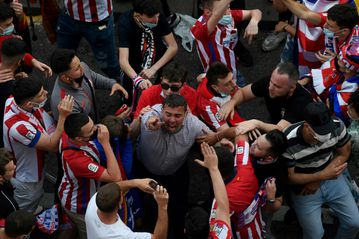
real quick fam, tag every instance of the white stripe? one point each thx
(258, 228)
(245, 154)
(212, 117)
(318, 80)
(250, 234)
(238, 235)
(219, 46)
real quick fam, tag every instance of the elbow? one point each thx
(116, 178)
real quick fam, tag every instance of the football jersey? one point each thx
(21, 132)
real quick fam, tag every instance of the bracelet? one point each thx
(217, 137)
(137, 80)
(285, 27)
(271, 201)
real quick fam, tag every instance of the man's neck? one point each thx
(107, 218)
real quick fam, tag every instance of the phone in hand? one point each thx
(153, 184)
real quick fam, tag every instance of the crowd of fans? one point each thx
(174, 161)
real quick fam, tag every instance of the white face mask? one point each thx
(37, 106)
(322, 138)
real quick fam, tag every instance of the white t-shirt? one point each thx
(97, 229)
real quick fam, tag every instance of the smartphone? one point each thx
(153, 184)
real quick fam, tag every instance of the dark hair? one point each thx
(147, 7)
(289, 69)
(12, 50)
(74, 123)
(5, 158)
(196, 223)
(116, 127)
(61, 59)
(174, 72)
(25, 89)
(345, 15)
(278, 142)
(207, 4)
(6, 12)
(19, 223)
(108, 197)
(217, 70)
(354, 101)
(225, 161)
(175, 100)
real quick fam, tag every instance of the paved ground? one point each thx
(264, 64)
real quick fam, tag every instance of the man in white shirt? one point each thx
(103, 221)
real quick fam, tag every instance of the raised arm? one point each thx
(302, 11)
(220, 193)
(217, 14)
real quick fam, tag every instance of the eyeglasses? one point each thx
(174, 88)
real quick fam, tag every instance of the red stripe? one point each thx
(93, 10)
(70, 8)
(109, 8)
(80, 10)
(309, 45)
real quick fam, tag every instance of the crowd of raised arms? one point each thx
(175, 161)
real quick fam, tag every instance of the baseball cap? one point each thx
(317, 115)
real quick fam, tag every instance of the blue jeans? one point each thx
(336, 194)
(100, 38)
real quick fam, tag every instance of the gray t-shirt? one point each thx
(163, 153)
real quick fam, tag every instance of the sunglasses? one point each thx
(174, 88)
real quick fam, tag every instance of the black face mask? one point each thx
(94, 135)
(79, 80)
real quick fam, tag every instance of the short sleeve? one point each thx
(323, 20)
(25, 133)
(144, 100)
(341, 131)
(260, 87)
(124, 31)
(82, 164)
(237, 15)
(242, 153)
(218, 229)
(210, 115)
(200, 30)
(163, 28)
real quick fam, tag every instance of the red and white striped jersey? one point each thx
(22, 131)
(82, 170)
(208, 106)
(311, 38)
(88, 10)
(219, 45)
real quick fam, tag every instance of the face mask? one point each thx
(225, 20)
(328, 33)
(224, 95)
(322, 138)
(37, 106)
(150, 25)
(79, 80)
(8, 31)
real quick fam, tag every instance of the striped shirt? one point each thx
(88, 10)
(311, 38)
(219, 45)
(308, 158)
(82, 170)
(22, 131)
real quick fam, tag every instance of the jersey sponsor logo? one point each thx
(30, 135)
(220, 230)
(93, 167)
(240, 150)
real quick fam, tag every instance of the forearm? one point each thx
(290, 29)
(302, 12)
(101, 82)
(112, 164)
(304, 178)
(218, 12)
(229, 133)
(54, 140)
(266, 127)
(127, 68)
(169, 54)
(219, 189)
(135, 128)
(256, 16)
(161, 227)
(126, 185)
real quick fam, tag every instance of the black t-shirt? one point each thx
(289, 109)
(7, 201)
(130, 36)
(278, 170)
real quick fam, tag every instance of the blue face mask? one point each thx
(328, 33)
(8, 31)
(224, 95)
(225, 20)
(149, 25)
